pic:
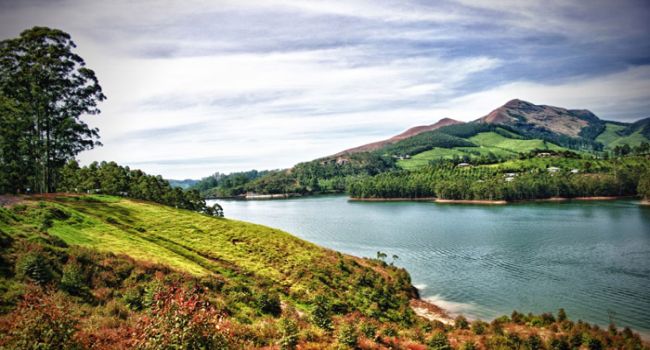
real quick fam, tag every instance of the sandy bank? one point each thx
(430, 311)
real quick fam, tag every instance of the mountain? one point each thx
(525, 115)
(416, 130)
(577, 129)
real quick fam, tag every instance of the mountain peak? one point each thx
(555, 119)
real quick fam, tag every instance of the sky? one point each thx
(198, 87)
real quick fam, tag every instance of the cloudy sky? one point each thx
(196, 87)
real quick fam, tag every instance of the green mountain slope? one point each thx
(504, 144)
(616, 134)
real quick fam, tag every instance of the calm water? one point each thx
(591, 258)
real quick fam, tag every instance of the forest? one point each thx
(533, 178)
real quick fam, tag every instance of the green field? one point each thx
(492, 139)
(182, 239)
(610, 137)
(488, 142)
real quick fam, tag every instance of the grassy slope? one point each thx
(183, 239)
(492, 139)
(489, 142)
(610, 137)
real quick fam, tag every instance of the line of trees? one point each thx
(326, 175)
(446, 181)
(113, 179)
(45, 88)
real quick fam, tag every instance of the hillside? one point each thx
(247, 272)
(414, 131)
(522, 114)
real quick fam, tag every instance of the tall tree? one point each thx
(53, 89)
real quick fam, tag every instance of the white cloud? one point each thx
(239, 84)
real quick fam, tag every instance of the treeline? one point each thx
(424, 142)
(486, 183)
(44, 90)
(326, 175)
(643, 148)
(113, 179)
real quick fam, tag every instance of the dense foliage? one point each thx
(424, 142)
(324, 175)
(533, 178)
(113, 179)
(44, 90)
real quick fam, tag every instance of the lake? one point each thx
(590, 258)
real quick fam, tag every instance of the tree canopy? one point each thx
(45, 89)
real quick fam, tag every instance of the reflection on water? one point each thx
(591, 258)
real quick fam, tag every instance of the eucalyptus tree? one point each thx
(45, 90)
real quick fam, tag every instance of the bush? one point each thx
(461, 322)
(369, 330)
(35, 267)
(269, 304)
(478, 327)
(181, 320)
(439, 341)
(73, 280)
(468, 345)
(534, 342)
(348, 335)
(40, 322)
(321, 314)
(289, 331)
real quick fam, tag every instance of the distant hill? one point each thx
(525, 115)
(184, 184)
(414, 131)
(547, 127)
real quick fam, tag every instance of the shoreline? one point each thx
(430, 311)
(493, 202)
(396, 199)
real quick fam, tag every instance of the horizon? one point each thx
(196, 88)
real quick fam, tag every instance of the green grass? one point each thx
(489, 142)
(182, 239)
(492, 139)
(610, 137)
(610, 134)
(634, 139)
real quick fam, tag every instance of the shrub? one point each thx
(268, 304)
(468, 345)
(321, 314)
(179, 319)
(558, 343)
(561, 315)
(369, 330)
(289, 332)
(348, 335)
(40, 322)
(35, 267)
(478, 327)
(73, 280)
(439, 341)
(534, 342)
(461, 322)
